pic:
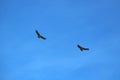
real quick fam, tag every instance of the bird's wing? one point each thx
(79, 46)
(37, 33)
(43, 37)
(86, 48)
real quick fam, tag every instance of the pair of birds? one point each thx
(40, 36)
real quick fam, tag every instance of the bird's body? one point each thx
(82, 48)
(39, 35)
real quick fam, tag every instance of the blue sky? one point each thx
(65, 23)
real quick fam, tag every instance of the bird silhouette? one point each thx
(82, 48)
(39, 35)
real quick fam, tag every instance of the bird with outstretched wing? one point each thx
(82, 48)
(39, 35)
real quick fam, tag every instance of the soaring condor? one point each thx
(39, 35)
(82, 48)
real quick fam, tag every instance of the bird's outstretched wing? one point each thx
(39, 35)
(82, 48)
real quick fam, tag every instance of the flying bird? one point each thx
(39, 35)
(82, 48)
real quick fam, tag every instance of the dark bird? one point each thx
(39, 35)
(82, 48)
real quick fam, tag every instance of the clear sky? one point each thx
(65, 23)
